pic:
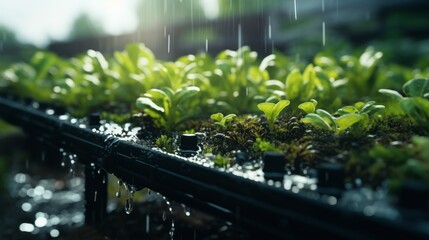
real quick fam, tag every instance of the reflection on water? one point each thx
(44, 207)
(40, 201)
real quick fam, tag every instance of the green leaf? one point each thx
(294, 82)
(309, 81)
(144, 102)
(267, 61)
(183, 94)
(346, 121)
(308, 107)
(217, 117)
(416, 87)
(370, 108)
(227, 118)
(278, 107)
(391, 93)
(327, 117)
(267, 108)
(347, 110)
(316, 121)
(360, 105)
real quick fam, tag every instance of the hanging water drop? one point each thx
(187, 211)
(172, 229)
(63, 158)
(129, 206)
(130, 198)
(118, 193)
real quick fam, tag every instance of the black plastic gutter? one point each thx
(266, 211)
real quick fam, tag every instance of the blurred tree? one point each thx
(242, 7)
(12, 50)
(7, 38)
(85, 26)
(157, 12)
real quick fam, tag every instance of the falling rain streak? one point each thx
(294, 8)
(147, 223)
(207, 45)
(168, 44)
(239, 36)
(323, 33)
(269, 27)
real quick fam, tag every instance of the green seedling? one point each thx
(308, 107)
(347, 117)
(169, 108)
(262, 146)
(221, 120)
(165, 143)
(272, 111)
(415, 103)
(221, 161)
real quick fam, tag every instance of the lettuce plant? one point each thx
(344, 118)
(133, 72)
(238, 81)
(272, 111)
(169, 108)
(310, 84)
(221, 120)
(360, 73)
(415, 103)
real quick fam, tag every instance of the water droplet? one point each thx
(164, 216)
(147, 223)
(172, 229)
(187, 211)
(129, 206)
(118, 193)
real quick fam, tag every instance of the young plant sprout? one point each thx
(272, 111)
(169, 108)
(221, 120)
(416, 102)
(347, 117)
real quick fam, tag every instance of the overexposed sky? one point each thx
(40, 21)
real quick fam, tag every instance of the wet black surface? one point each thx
(43, 199)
